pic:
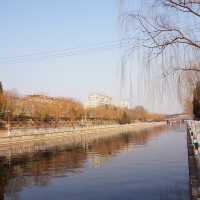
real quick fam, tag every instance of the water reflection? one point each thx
(43, 169)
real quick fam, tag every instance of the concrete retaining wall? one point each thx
(19, 144)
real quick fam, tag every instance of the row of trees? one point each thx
(39, 108)
(192, 107)
(43, 109)
(122, 116)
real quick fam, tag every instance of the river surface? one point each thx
(146, 165)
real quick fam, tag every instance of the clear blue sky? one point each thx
(37, 26)
(33, 26)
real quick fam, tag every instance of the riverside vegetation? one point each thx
(46, 111)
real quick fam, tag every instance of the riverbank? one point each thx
(193, 161)
(29, 143)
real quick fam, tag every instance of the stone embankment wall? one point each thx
(21, 143)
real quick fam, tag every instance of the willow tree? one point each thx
(196, 101)
(168, 35)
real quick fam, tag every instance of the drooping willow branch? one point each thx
(169, 36)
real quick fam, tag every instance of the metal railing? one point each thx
(194, 127)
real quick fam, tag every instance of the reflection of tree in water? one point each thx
(109, 146)
(104, 149)
(140, 138)
(38, 169)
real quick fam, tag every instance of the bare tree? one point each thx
(168, 33)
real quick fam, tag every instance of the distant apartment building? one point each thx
(29, 102)
(95, 100)
(39, 98)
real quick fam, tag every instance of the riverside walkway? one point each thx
(32, 140)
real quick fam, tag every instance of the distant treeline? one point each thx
(40, 109)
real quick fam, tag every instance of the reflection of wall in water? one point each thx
(98, 160)
(37, 169)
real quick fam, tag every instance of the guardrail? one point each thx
(194, 128)
(193, 142)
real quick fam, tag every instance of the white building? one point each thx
(124, 104)
(95, 100)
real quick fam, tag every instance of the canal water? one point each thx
(149, 165)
